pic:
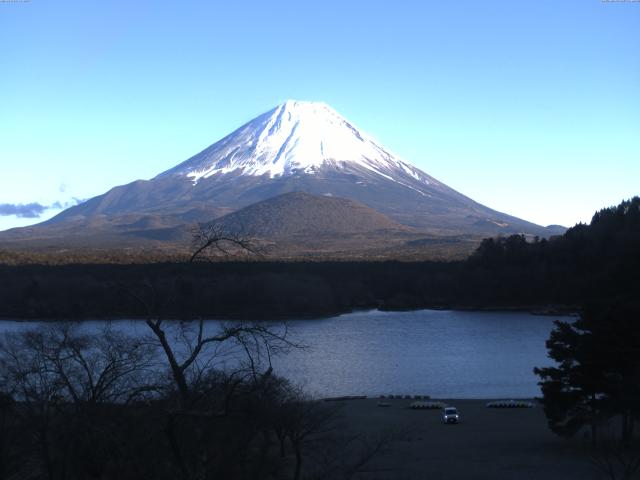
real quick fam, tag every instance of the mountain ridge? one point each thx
(297, 146)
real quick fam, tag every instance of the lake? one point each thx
(441, 353)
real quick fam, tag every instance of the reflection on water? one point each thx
(428, 352)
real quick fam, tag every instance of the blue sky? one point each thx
(532, 108)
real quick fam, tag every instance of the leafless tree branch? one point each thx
(213, 236)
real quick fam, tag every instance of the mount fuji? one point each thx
(295, 147)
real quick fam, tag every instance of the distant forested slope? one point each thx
(588, 262)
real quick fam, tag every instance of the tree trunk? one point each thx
(298, 451)
(594, 421)
(264, 449)
(627, 427)
(175, 447)
(176, 371)
(281, 439)
(46, 457)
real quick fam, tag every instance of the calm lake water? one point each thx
(446, 354)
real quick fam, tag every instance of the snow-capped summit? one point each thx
(296, 137)
(295, 147)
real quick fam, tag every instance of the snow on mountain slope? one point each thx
(295, 147)
(297, 137)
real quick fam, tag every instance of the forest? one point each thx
(599, 260)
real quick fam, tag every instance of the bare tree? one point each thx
(214, 237)
(245, 394)
(317, 437)
(78, 367)
(63, 380)
(26, 377)
(193, 350)
(307, 421)
(188, 348)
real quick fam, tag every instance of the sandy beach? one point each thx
(489, 443)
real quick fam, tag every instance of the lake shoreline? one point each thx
(538, 310)
(467, 354)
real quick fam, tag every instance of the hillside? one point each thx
(295, 147)
(301, 214)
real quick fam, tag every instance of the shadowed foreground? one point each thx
(488, 444)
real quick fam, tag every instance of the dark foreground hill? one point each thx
(299, 224)
(302, 214)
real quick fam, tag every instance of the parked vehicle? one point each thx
(451, 415)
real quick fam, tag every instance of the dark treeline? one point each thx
(593, 389)
(589, 262)
(600, 260)
(218, 289)
(596, 377)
